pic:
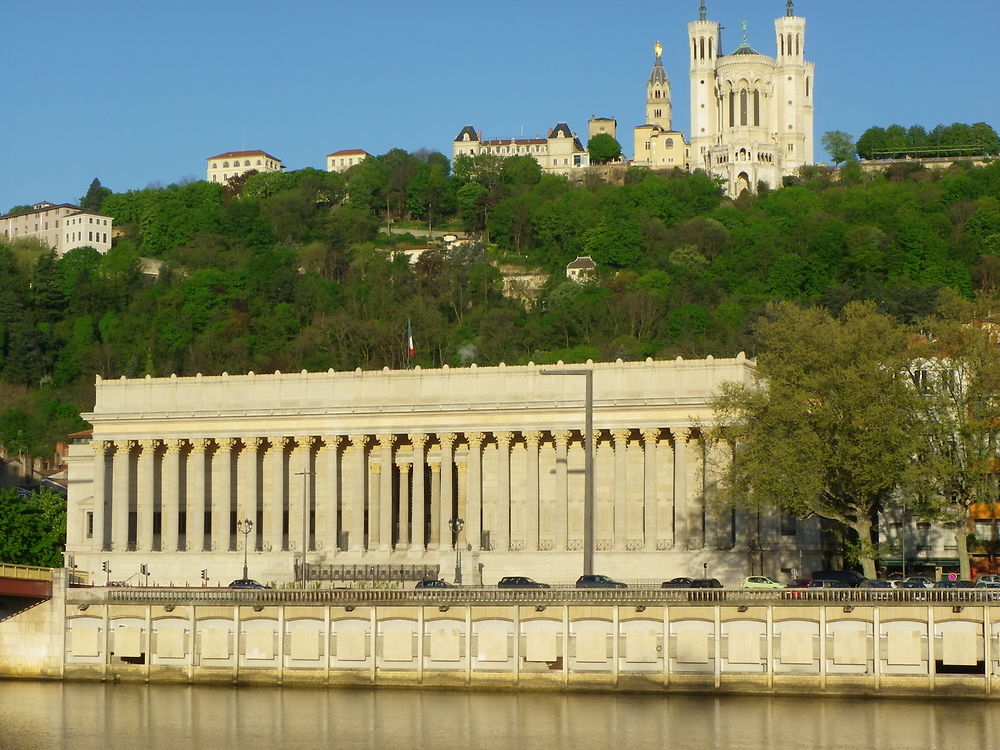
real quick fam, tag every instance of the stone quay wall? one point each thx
(656, 640)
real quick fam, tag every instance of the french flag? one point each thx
(409, 339)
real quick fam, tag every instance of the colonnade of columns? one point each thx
(514, 490)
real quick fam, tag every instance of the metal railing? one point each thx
(25, 572)
(540, 597)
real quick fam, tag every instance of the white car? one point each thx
(761, 582)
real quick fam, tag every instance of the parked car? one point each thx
(826, 583)
(989, 578)
(706, 583)
(958, 583)
(433, 583)
(247, 583)
(877, 588)
(520, 582)
(849, 577)
(598, 582)
(761, 582)
(683, 582)
(927, 583)
(798, 583)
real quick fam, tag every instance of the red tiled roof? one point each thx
(516, 142)
(234, 154)
(349, 152)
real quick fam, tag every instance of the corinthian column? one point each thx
(119, 496)
(447, 503)
(682, 526)
(418, 535)
(327, 495)
(649, 441)
(247, 481)
(145, 496)
(474, 521)
(374, 490)
(222, 491)
(560, 522)
(503, 491)
(195, 538)
(403, 532)
(532, 439)
(359, 470)
(100, 448)
(620, 439)
(298, 495)
(170, 478)
(384, 519)
(274, 494)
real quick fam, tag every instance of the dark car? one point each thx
(683, 582)
(947, 583)
(247, 583)
(433, 583)
(520, 582)
(852, 579)
(826, 583)
(598, 582)
(706, 583)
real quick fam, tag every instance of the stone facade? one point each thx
(232, 163)
(751, 115)
(341, 161)
(383, 461)
(560, 152)
(61, 227)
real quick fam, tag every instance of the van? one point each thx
(849, 577)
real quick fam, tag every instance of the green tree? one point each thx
(839, 145)
(32, 528)
(828, 429)
(956, 371)
(603, 148)
(95, 196)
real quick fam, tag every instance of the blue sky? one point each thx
(139, 93)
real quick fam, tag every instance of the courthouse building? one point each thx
(372, 468)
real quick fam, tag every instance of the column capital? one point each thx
(385, 441)
(418, 439)
(620, 437)
(148, 446)
(435, 468)
(475, 439)
(225, 444)
(303, 443)
(100, 447)
(404, 468)
(532, 437)
(562, 438)
(651, 435)
(358, 441)
(503, 438)
(462, 468)
(446, 439)
(198, 445)
(172, 446)
(331, 441)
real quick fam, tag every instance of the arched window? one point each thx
(657, 113)
(797, 38)
(743, 106)
(710, 48)
(225, 164)
(246, 162)
(669, 143)
(782, 38)
(789, 44)
(703, 48)
(694, 49)
(756, 107)
(732, 109)
(807, 87)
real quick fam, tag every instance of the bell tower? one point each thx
(658, 111)
(703, 52)
(793, 90)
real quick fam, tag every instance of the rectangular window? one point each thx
(787, 525)
(90, 524)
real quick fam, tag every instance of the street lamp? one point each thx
(588, 466)
(457, 524)
(305, 520)
(245, 527)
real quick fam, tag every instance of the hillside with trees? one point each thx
(285, 271)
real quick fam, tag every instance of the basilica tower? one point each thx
(703, 47)
(793, 89)
(658, 111)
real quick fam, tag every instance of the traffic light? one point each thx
(144, 570)
(105, 567)
(204, 574)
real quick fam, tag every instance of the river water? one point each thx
(85, 716)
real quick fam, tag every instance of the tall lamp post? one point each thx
(588, 466)
(245, 527)
(457, 524)
(305, 521)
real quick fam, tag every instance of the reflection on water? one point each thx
(81, 716)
